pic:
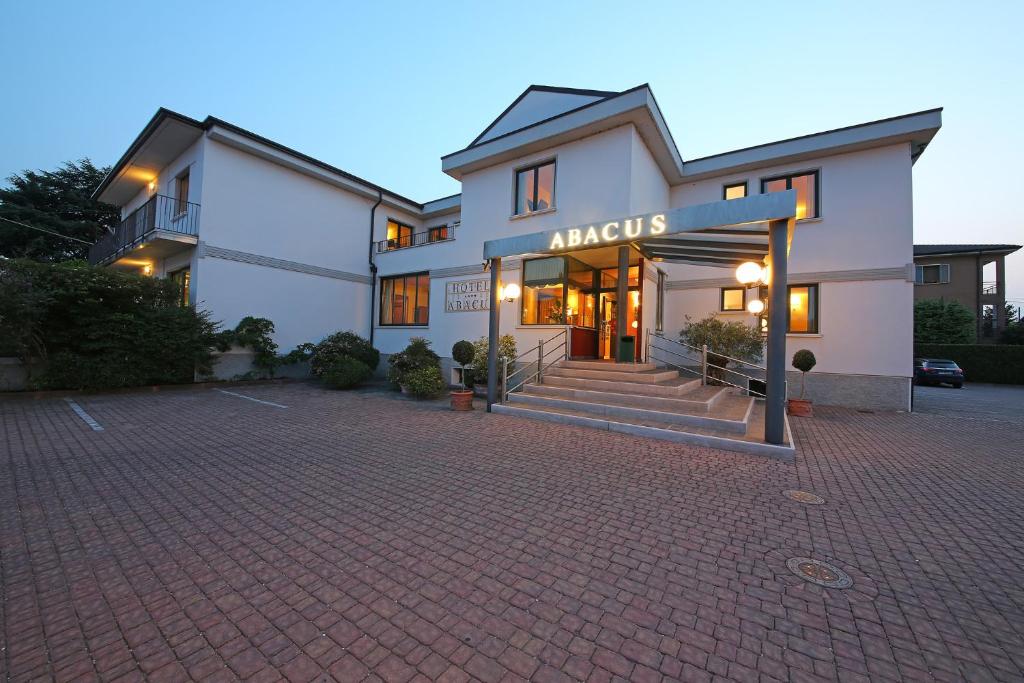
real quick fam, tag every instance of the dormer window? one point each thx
(535, 188)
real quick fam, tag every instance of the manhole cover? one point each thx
(821, 573)
(803, 497)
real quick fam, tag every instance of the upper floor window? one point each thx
(733, 299)
(437, 233)
(806, 186)
(399, 235)
(535, 188)
(803, 309)
(181, 194)
(405, 299)
(735, 190)
(931, 274)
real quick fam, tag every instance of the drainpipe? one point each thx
(373, 266)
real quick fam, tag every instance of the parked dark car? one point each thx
(938, 371)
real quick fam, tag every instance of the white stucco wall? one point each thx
(165, 182)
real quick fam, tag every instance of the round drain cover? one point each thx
(821, 573)
(803, 497)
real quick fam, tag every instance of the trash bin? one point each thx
(627, 349)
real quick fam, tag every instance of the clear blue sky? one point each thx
(384, 89)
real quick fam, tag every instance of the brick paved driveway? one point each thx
(361, 535)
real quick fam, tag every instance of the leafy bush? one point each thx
(1013, 333)
(343, 344)
(735, 339)
(943, 322)
(425, 382)
(345, 372)
(996, 363)
(416, 356)
(506, 351)
(804, 361)
(100, 328)
(254, 334)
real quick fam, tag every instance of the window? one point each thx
(733, 299)
(437, 234)
(931, 274)
(181, 194)
(535, 188)
(543, 291)
(399, 235)
(806, 186)
(803, 309)
(405, 299)
(183, 279)
(659, 307)
(735, 191)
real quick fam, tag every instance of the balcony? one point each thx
(432, 236)
(167, 222)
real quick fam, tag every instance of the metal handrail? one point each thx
(415, 239)
(704, 351)
(160, 212)
(538, 370)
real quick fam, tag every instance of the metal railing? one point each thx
(702, 363)
(416, 239)
(159, 213)
(989, 287)
(542, 351)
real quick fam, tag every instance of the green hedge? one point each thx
(996, 363)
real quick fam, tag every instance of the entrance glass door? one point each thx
(608, 309)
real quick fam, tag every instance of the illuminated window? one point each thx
(806, 186)
(803, 309)
(544, 291)
(183, 279)
(735, 191)
(535, 188)
(437, 234)
(405, 299)
(733, 299)
(399, 235)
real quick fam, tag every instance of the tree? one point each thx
(58, 201)
(943, 322)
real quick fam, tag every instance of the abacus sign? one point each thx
(608, 233)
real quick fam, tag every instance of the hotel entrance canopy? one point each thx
(724, 234)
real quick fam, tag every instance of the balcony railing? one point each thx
(159, 213)
(989, 287)
(431, 236)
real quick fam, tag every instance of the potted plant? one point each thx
(803, 360)
(462, 397)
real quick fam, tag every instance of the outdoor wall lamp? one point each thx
(755, 306)
(749, 273)
(510, 292)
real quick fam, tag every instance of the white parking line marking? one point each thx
(250, 398)
(84, 415)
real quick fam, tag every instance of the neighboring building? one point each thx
(315, 249)
(972, 274)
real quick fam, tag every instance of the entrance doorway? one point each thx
(608, 336)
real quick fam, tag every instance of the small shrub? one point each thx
(736, 339)
(254, 334)
(425, 382)
(343, 344)
(415, 356)
(804, 361)
(345, 372)
(463, 353)
(506, 351)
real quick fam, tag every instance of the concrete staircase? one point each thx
(646, 400)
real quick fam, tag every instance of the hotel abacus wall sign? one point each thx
(467, 295)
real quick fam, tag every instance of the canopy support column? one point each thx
(622, 301)
(493, 333)
(778, 307)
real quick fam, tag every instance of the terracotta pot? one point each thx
(462, 399)
(799, 407)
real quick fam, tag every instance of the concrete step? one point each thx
(641, 376)
(746, 443)
(731, 417)
(606, 365)
(699, 399)
(673, 388)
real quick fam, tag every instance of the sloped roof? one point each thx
(538, 103)
(936, 249)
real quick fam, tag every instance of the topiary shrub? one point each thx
(345, 372)
(463, 353)
(425, 382)
(804, 361)
(343, 344)
(415, 356)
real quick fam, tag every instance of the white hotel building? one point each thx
(259, 229)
